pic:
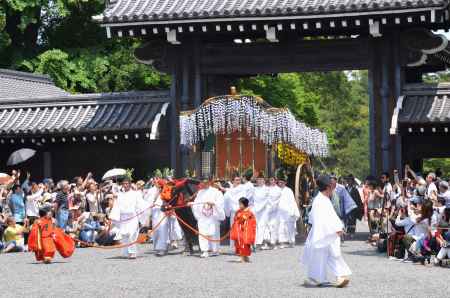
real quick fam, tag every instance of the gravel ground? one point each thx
(103, 273)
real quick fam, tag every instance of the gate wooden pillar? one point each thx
(386, 75)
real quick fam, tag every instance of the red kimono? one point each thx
(243, 232)
(45, 239)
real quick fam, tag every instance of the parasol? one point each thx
(20, 156)
(114, 173)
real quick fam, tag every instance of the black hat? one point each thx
(43, 211)
(323, 181)
(350, 177)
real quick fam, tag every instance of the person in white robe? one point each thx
(231, 201)
(288, 214)
(160, 223)
(175, 232)
(126, 214)
(208, 209)
(274, 194)
(322, 250)
(261, 208)
(248, 186)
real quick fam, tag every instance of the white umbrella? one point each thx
(20, 155)
(114, 173)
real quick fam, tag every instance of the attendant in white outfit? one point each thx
(261, 208)
(323, 246)
(288, 214)
(160, 223)
(125, 214)
(231, 201)
(208, 209)
(248, 186)
(274, 193)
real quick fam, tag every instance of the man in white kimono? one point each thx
(288, 214)
(261, 209)
(274, 194)
(208, 209)
(160, 235)
(126, 215)
(323, 245)
(248, 186)
(231, 201)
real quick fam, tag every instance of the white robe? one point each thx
(231, 203)
(323, 245)
(261, 208)
(124, 215)
(288, 214)
(161, 234)
(274, 200)
(249, 191)
(208, 219)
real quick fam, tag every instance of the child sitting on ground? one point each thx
(13, 236)
(243, 231)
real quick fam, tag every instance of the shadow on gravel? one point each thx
(367, 253)
(123, 258)
(324, 285)
(54, 262)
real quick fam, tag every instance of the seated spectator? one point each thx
(88, 227)
(443, 237)
(13, 236)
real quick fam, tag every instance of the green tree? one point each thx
(336, 102)
(60, 39)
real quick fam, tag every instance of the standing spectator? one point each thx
(388, 190)
(431, 187)
(32, 203)
(17, 204)
(346, 203)
(92, 198)
(62, 204)
(444, 192)
(358, 212)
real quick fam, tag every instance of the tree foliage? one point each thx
(336, 102)
(60, 39)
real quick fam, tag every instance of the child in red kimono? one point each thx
(45, 239)
(243, 231)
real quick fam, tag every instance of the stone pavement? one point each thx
(103, 273)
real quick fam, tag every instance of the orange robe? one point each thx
(243, 232)
(41, 240)
(45, 239)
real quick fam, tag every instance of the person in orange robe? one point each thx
(45, 238)
(40, 239)
(243, 231)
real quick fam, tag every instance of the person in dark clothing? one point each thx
(359, 211)
(62, 201)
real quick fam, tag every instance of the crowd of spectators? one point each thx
(81, 208)
(410, 217)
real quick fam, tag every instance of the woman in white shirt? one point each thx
(32, 203)
(92, 198)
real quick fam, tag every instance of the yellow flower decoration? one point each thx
(289, 155)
